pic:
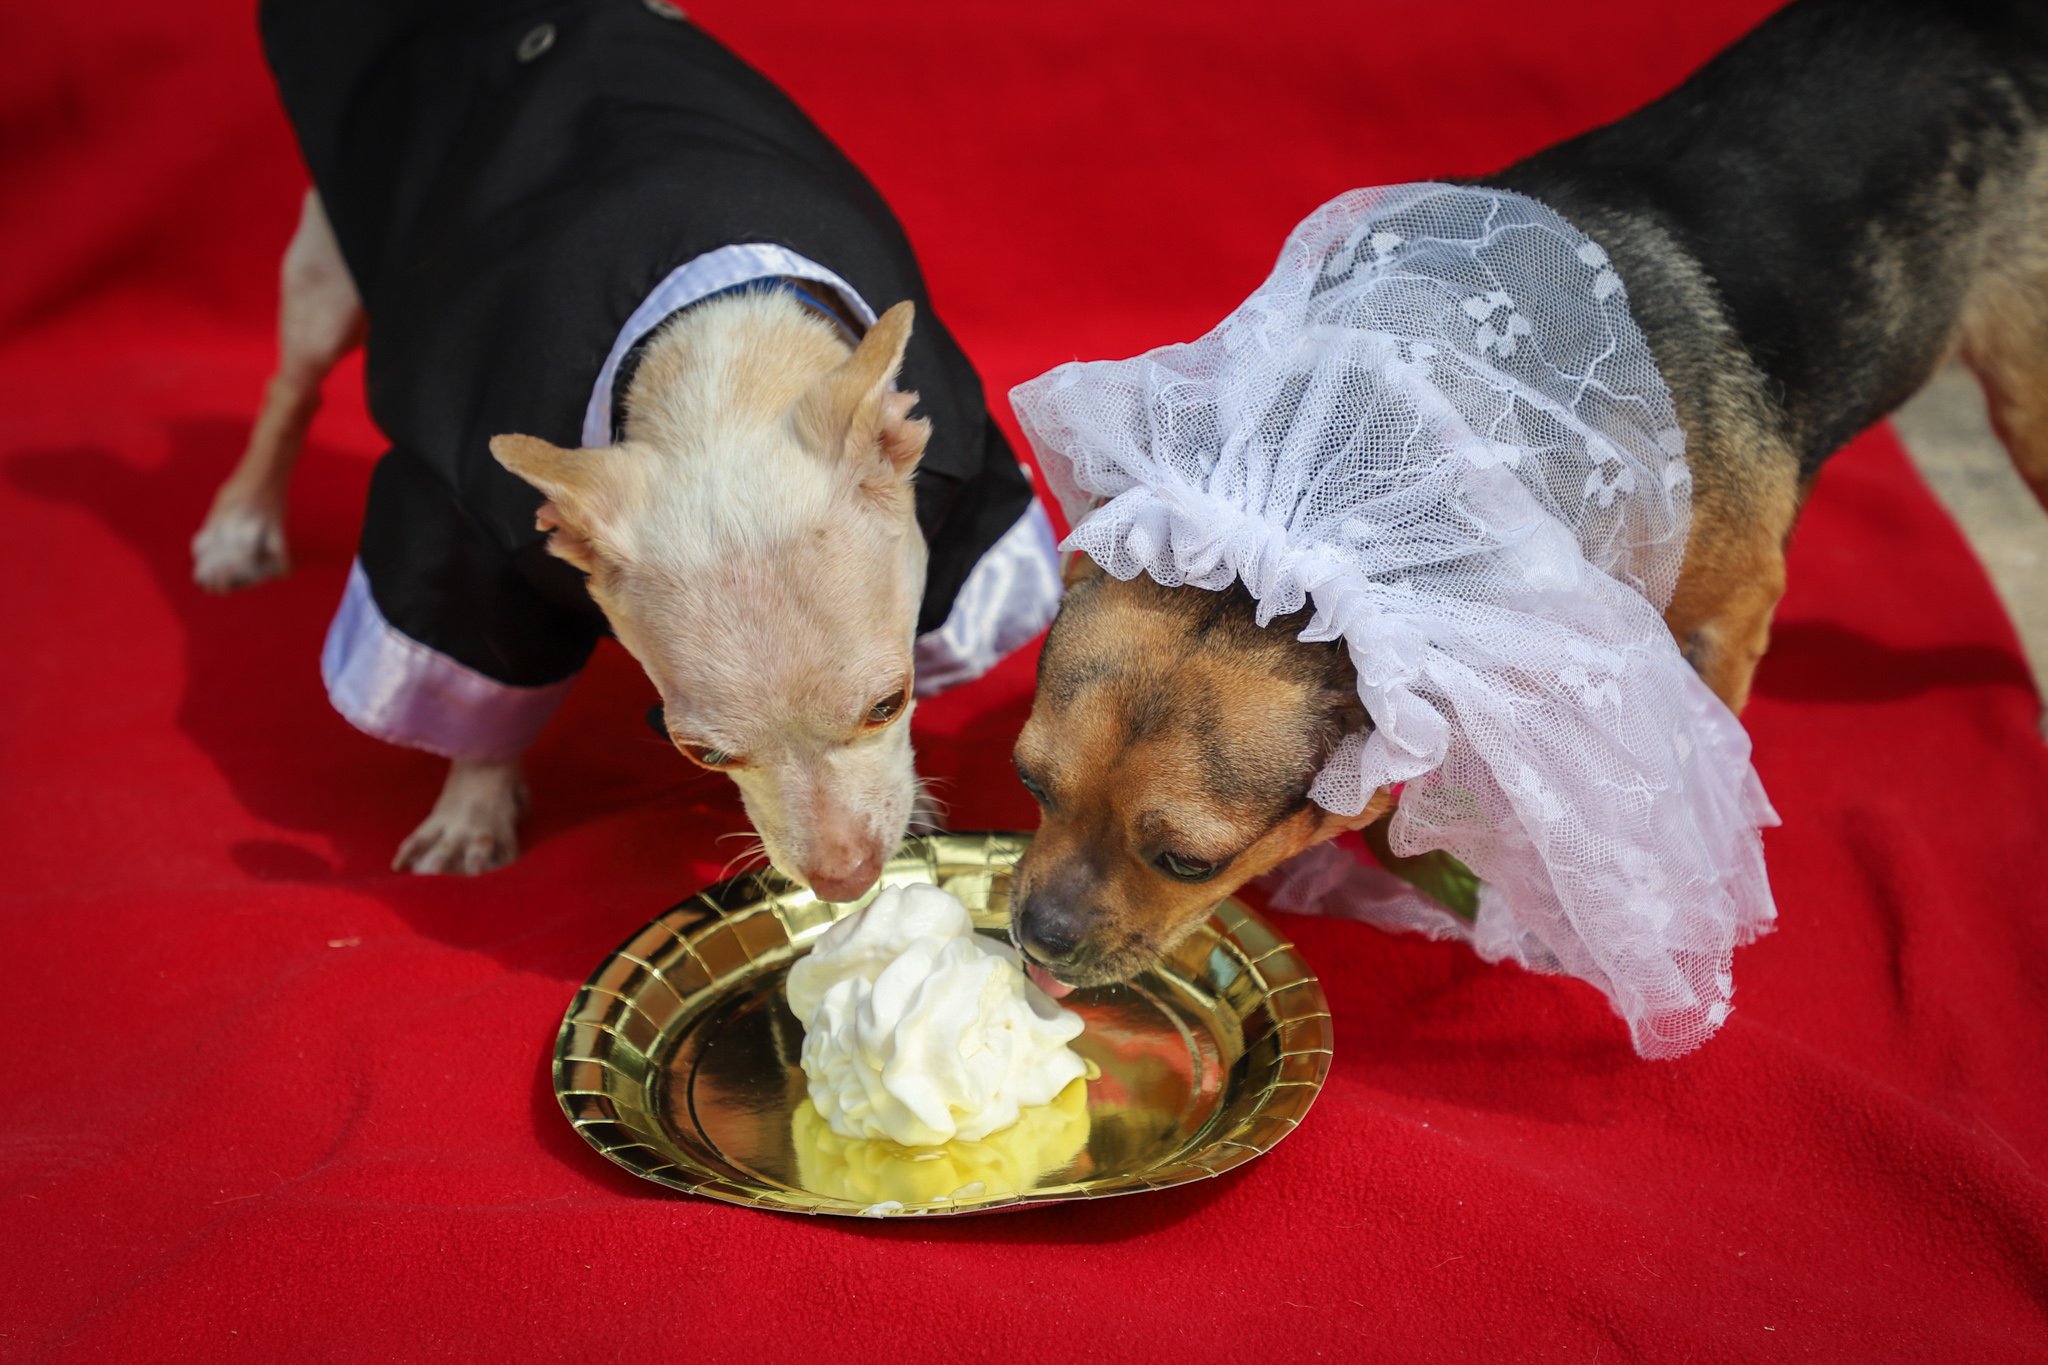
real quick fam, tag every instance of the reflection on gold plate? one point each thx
(678, 1058)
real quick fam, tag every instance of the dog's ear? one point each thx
(577, 490)
(1338, 712)
(853, 413)
(1077, 567)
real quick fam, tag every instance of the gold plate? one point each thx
(678, 1058)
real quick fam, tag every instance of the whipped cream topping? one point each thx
(919, 1030)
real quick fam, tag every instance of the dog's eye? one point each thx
(706, 756)
(1031, 785)
(887, 709)
(1186, 869)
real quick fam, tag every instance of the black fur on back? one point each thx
(1836, 178)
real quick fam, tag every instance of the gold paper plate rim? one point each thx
(601, 1078)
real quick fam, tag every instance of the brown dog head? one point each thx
(1171, 748)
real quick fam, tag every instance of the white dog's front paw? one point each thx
(240, 545)
(474, 826)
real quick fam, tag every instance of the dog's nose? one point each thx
(1051, 931)
(845, 883)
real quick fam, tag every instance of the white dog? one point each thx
(735, 491)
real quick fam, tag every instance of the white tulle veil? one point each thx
(1438, 424)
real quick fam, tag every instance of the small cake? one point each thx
(919, 1030)
(1003, 1164)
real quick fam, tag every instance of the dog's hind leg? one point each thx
(2005, 341)
(1734, 575)
(2006, 344)
(2004, 328)
(320, 320)
(474, 826)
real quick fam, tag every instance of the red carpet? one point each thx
(270, 1101)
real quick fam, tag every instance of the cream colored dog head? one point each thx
(753, 543)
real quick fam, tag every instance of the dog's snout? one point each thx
(846, 877)
(842, 858)
(1052, 930)
(847, 884)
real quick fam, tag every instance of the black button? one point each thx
(537, 41)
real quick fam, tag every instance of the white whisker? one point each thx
(744, 860)
(928, 811)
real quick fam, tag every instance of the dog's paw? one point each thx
(240, 545)
(459, 846)
(474, 827)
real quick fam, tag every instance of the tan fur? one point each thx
(2005, 330)
(1120, 744)
(320, 320)
(1733, 578)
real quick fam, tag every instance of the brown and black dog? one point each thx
(1808, 227)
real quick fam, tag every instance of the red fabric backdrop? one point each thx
(268, 1099)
